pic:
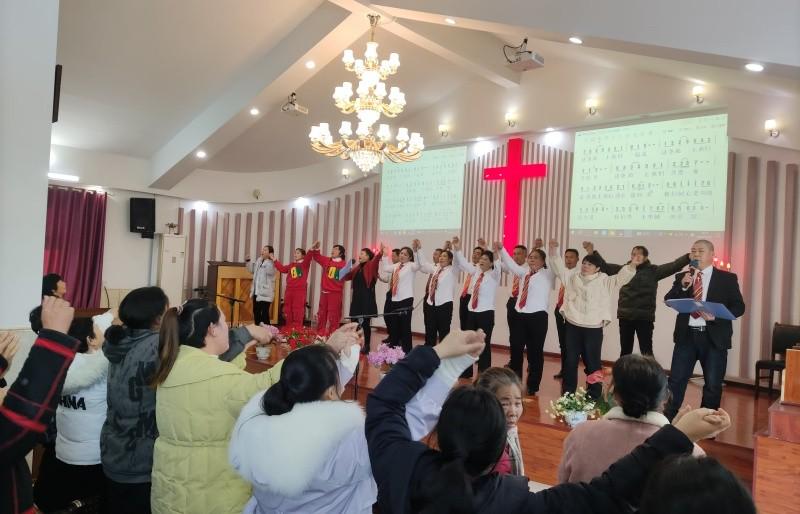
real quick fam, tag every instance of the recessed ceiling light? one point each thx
(200, 154)
(311, 65)
(754, 66)
(549, 129)
(63, 177)
(254, 111)
(450, 21)
(576, 40)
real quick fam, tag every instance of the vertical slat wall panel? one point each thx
(259, 233)
(190, 257)
(768, 270)
(248, 233)
(790, 227)
(180, 221)
(750, 243)
(271, 234)
(213, 253)
(201, 261)
(286, 254)
(237, 229)
(357, 243)
(226, 218)
(346, 230)
(281, 231)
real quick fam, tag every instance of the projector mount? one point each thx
(518, 52)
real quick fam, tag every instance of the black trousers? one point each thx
(261, 312)
(389, 320)
(643, 328)
(59, 484)
(562, 338)
(511, 313)
(427, 319)
(482, 321)
(714, 360)
(463, 312)
(128, 498)
(365, 325)
(531, 331)
(585, 343)
(401, 324)
(437, 322)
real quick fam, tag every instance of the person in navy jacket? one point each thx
(700, 336)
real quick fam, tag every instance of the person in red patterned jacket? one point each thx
(31, 402)
(329, 313)
(294, 301)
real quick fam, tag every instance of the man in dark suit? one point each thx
(699, 336)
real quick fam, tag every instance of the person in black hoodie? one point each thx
(32, 400)
(471, 433)
(636, 308)
(129, 432)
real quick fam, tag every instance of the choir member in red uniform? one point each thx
(329, 313)
(294, 301)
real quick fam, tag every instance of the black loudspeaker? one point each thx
(56, 92)
(143, 216)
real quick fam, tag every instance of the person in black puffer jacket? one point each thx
(636, 309)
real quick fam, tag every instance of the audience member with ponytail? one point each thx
(458, 477)
(198, 398)
(129, 432)
(304, 450)
(640, 392)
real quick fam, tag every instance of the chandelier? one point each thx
(368, 147)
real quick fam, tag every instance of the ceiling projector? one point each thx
(519, 58)
(294, 108)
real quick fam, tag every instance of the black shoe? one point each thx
(559, 375)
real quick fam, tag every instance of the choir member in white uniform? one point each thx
(485, 279)
(401, 287)
(466, 288)
(438, 295)
(535, 284)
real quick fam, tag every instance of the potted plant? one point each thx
(572, 408)
(385, 357)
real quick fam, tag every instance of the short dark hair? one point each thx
(82, 329)
(35, 319)
(50, 283)
(370, 253)
(593, 259)
(142, 308)
(341, 250)
(396, 251)
(269, 248)
(691, 485)
(541, 254)
(642, 249)
(410, 253)
(572, 250)
(301, 250)
(523, 248)
(640, 383)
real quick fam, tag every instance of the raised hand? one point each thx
(9, 344)
(458, 343)
(553, 244)
(315, 246)
(456, 243)
(497, 246)
(57, 314)
(416, 245)
(482, 242)
(703, 423)
(538, 243)
(447, 245)
(344, 337)
(589, 247)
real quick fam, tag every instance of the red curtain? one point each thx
(73, 244)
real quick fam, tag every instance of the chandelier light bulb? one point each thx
(346, 129)
(402, 134)
(371, 54)
(348, 58)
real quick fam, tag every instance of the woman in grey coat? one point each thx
(263, 287)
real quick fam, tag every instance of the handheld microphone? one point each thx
(693, 264)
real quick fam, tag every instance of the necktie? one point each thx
(698, 292)
(465, 290)
(476, 290)
(560, 301)
(428, 285)
(433, 282)
(396, 279)
(515, 287)
(523, 297)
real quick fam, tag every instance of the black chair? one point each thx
(783, 338)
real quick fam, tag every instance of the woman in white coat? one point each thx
(263, 287)
(304, 449)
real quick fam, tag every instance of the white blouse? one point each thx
(446, 280)
(405, 278)
(488, 285)
(539, 284)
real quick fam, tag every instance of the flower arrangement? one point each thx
(572, 408)
(385, 357)
(300, 337)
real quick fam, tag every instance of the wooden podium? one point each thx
(776, 470)
(232, 280)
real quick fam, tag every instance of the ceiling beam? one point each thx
(322, 35)
(736, 29)
(475, 51)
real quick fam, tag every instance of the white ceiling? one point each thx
(140, 76)
(135, 72)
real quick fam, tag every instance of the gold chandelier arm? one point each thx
(403, 157)
(329, 151)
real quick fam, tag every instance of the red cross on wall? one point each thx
(513, 173)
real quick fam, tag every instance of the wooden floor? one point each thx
(541, 437)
